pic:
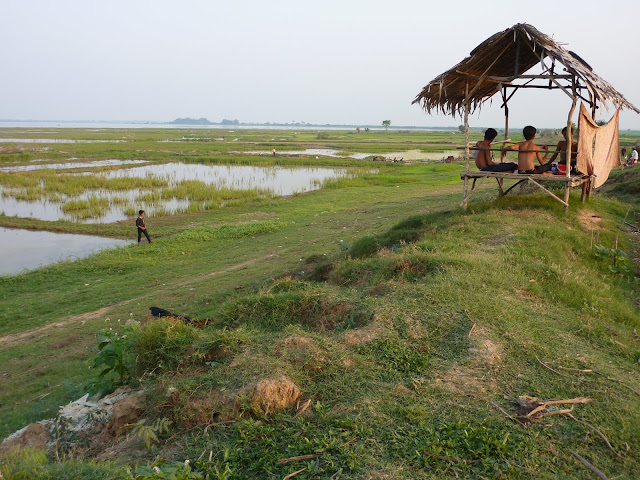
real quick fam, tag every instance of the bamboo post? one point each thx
(506, 119)
(466, 145)
(567, 188)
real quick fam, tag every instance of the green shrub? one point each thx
(163, 344)
(394, 356)
(315, 308)
(114, 359)
(32, 464)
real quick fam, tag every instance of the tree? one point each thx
(386, 124)
(461, 128)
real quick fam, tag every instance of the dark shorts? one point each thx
(538, 169)
(500, 167)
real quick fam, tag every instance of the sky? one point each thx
(339, 62)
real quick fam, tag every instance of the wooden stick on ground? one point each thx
(294, 474)
(606, 440)
(588, 465)
(549, 368)
(282, 461)
(451, 459)
(303, 409)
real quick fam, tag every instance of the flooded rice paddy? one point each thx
(68, 165)
(408, 155)
(22, 250)
(159, 189)
(55, 140)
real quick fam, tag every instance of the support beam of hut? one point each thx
(553, 79)
(565, 203)
(466, 143)
(567, 188)
(505, 99)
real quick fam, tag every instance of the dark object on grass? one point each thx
(161, 312)
(194, 322)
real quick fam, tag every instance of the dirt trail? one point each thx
(21, 337)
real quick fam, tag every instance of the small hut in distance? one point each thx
(500, 65)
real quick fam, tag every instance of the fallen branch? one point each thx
(294, 474)
(587, 370)
(606, 440)
(282, 461)
(588, 465)
(303, 409)
(528, 402)
(224, 422)
(617, 381)
(451, 459)
(507, 414)
(557, 412)
(472, 327)
(549, 368)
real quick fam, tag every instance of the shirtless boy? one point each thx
(484, 160)
(561, 149)
(528, 152)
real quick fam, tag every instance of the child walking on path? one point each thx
(142, 228)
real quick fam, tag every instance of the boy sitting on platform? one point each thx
(528, 152)
(484, 158)
(561, 149)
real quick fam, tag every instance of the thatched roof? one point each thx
(503, 58)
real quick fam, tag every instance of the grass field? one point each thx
(410, 324)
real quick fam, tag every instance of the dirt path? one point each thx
(21, 337)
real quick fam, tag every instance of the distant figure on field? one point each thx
(633, 157)
(274, 152)
(142, 228)
(561, 149)
(484, 158)
(528, 152)
(624, 153)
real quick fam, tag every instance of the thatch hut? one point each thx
(500, 65)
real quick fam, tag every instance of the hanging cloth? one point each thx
(597, 146)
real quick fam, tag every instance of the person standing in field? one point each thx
(142, 228)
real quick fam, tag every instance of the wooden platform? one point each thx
(569, 182)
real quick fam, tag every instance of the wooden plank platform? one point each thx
(536, 179)
(573, 180)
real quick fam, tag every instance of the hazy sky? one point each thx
(343, 62)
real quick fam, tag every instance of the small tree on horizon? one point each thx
(461, 128)
(386, 124)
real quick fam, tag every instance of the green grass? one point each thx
(407, 322)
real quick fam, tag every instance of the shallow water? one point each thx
(279, 180)
(68, 165)
(54, 140)
(409, 155)
(22, 250)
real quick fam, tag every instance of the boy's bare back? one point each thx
(528, 151)
(527, 154)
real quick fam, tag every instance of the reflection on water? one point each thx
(276, 180)
(66, 165)
(54, 140)
(279, 180)
(26, 250)
(408, 155)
